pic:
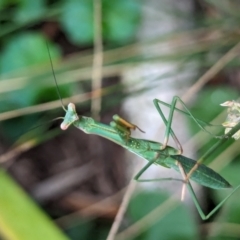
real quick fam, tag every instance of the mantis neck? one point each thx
(90, 126)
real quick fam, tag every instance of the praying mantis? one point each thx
(119, 132)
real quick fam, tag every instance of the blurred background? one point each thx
(113, 57)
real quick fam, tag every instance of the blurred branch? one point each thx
(220, 64)
(59, 184)
(155, 215)
(64, 221)
(123, 207)
(97, 58)
(231, 230)
(54, 104)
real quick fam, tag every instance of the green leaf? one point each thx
(120, 20)
(28, 10)
(24, 50)
(3, 3)
(81, 229)
(20, 217)
(20, 52)
(77, 20)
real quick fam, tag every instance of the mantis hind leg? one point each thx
(188, 185)
(194, 197)
(168, 122)
(200, 123)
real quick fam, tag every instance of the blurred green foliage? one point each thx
(77, 21)
(20, 217)
(27, 80)
(178, 223)
(87, 229)
(24, 55)
(29, 10)
(25, 48)
(208, 105)
(120, 20)
(76, 18)
(22, 51)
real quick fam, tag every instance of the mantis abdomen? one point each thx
(202, 175)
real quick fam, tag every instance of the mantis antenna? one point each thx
(54, 76)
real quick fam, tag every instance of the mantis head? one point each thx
(70, 117)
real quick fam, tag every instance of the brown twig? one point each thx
(97, 58)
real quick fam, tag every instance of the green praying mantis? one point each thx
(119, 132)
